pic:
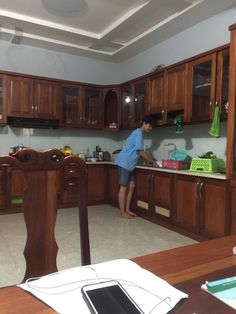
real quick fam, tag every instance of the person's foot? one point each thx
(126, 215)
(131, 213)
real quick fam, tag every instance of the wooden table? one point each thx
(186, 268)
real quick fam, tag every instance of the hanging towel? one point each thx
(215, 126)
(179, 125)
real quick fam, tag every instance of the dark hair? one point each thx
(148, 120)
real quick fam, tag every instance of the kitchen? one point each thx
(195, 139)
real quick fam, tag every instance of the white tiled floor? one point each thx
(110, 237)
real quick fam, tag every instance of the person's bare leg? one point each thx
(130, 193)
(122, 202)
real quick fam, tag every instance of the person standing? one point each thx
(126, 161)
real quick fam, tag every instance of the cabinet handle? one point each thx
(36, 108)
(71, 184)
(73, 171)
(32, 107)
(210, 104)
(200, 191)
(197, 190)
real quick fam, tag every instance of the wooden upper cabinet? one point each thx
(222, 84)
(27, 97)
(45, 99)
(208, 86)
(92, 117)
(71, 105)
(20, 96)
(133, 103)
(167, 92)
(111, 102)
(176, 89)
(2, 100)
(155, 102)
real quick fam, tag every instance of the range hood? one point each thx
(32, 123)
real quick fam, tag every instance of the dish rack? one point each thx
(206, 164)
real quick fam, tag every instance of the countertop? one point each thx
(182, 172)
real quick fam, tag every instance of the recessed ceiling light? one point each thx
(64, 6)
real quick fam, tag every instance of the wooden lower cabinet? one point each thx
(142, 204)
(196, 205)
(153, 194)
(162, 195)
(113, 185)
(201, 206)
(97, 184)
(186, 213)
(215, 211)
(233, 205)
(3, 189)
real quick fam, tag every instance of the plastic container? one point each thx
(175, 164)
(206, 164)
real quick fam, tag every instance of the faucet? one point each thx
(172, 149)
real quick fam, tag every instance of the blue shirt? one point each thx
(129, 156)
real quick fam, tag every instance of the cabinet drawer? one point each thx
(71, 184)
(71, 170)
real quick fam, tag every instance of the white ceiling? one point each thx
(105, 29)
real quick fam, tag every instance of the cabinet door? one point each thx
(215, 220)
(3, 189)
(202, 79)
(176, 89)
(186, 203)
(133, 101)
(46, 99)
(127, 103)
(71, 114)
(2, 100)
(19, 95)
(142, 192)
(97, 184)
(17, 188)
(233, 205)
(155, 94)
(139, 91)
(113, 185)
(112, 108)
(222, 87)
(93, 108)
(162, 195)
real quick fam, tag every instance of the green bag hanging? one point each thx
(215, 126)
(179, 125)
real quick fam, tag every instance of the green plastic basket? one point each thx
(206, 164)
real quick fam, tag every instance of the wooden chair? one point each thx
(40, 206)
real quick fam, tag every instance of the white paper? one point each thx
(62, 290)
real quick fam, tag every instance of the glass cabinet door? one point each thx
(203, 88)
(111, 108)
(139, 100)
(126, 106)
(93, 109)
(71, 106)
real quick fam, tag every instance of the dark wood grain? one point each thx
(40, 206)
(187, 268)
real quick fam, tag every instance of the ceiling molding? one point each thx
(103, 28)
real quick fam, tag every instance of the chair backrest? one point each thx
(40, 206)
